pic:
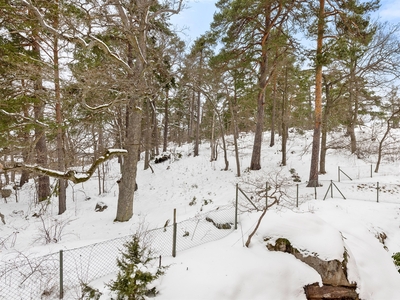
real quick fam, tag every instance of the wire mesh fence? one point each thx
(58, 274)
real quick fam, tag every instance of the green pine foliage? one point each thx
(136, 271)
(396, 260)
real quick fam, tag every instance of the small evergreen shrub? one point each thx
(136, 271)
(193, 202)
(90, 293)
(396, 260)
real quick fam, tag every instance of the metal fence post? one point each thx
(338, 173)
(297, 195)
(174, 235)
(236, 205)
(377, 191)
(61, 274)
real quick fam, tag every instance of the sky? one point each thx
(196, 18)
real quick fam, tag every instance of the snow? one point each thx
(221, 267)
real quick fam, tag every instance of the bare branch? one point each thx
(94, 42)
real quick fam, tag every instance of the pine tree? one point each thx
(136, 271)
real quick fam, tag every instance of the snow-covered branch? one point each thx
(72, 175)
(21, 118)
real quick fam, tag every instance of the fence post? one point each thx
(377, 191)
(61, 275)
(174, 236)
(297, 195)
(338, 173)
(331, 189)
(315, 192)
(236, 205)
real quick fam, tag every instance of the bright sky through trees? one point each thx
(196, 18)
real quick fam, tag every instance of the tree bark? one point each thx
(166, 120)
(62, 183)
(233, 105)
(324, 129)
(313, 179)
(43, 191)
(255, 163)
(353, 112)
(273, 113)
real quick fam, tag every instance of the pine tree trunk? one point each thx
(62, 183)
(255, 163)
(127, 183)
(256, 154)
(324, 129)
(353, 111)
(147, 135)
(212, 141)
(41, 145)
(166, 121)
(273, 114)
(313, 180)
(233, 105)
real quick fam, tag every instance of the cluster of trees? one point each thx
(78, 77)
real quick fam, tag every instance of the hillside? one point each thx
(365, 225)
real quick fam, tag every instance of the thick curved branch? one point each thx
(71, 175)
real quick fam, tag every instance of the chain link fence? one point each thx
(58, 274)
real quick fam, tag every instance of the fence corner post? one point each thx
(61, 274)
(174, 235)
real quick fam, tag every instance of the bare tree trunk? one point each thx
(285, 118)
(273, 114)
(166, 120)
(155, 134)
(255, 163)
(324, 129)
(212, 141)
(147, 135)
(62, 183)
(235, 133)
(353, 111)
(127, 183)
(41, 145)
(191, 121)
(313, 180)
(256, 154)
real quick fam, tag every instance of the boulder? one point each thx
(325, 292)
(333, 273)
(100, 206)
(6, 192)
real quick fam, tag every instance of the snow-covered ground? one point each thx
(365, 224)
